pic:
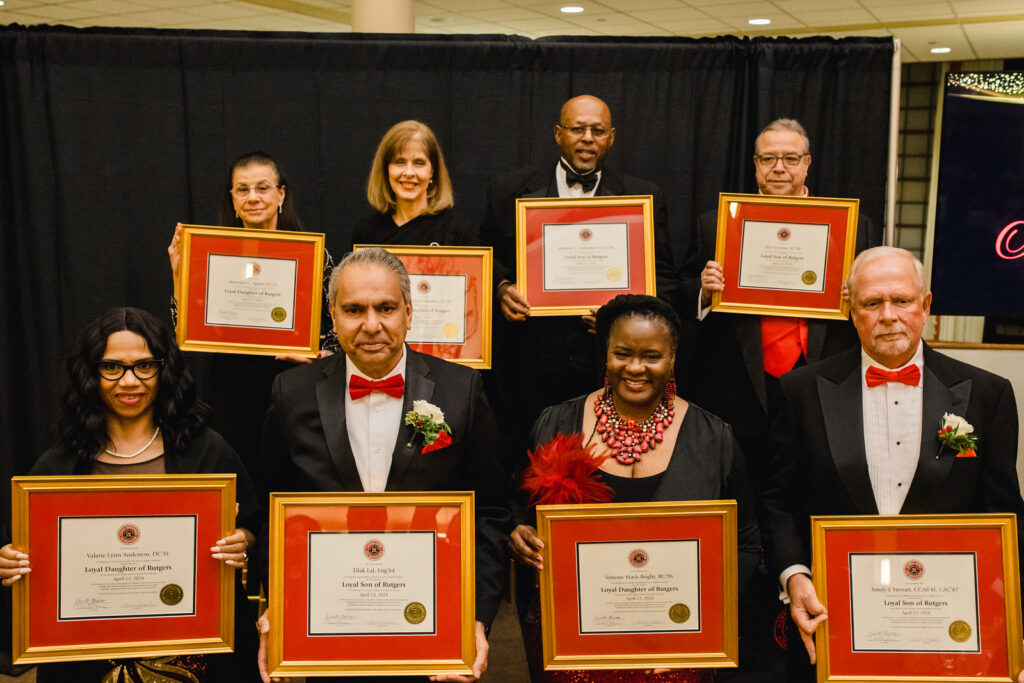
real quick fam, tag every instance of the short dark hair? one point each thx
(82, 424)
(640, 306)
(289, 218)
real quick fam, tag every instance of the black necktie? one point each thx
(587, 182)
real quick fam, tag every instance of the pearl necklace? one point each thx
(628, 439)
(141, 450)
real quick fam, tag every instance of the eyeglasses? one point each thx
(242, 191)
(144, 369)
(769, 160)
(597, 132)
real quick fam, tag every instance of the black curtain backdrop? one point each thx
(109, 137)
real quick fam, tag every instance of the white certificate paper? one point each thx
(783, 256)
(438, 309)
(379, 583)
(246, 291)
(905, 602)
(126, 567)
(585, 256)
(642, 587)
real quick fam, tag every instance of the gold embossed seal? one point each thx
(614, 274)
(809, 277)
(171, 594)
(278, 314)
(415, 613)
(959, 631)
(679, 613)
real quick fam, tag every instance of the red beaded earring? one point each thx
(670, 386)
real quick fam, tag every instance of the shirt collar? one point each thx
(351, 369)
(560, 172)
(867, 361)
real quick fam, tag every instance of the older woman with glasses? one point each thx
(410, 189)
(130, 408)
(237, 387)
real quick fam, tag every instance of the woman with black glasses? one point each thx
(130, 408)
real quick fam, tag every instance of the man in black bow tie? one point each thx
(857, 434)
(546, 360)
(337, 424)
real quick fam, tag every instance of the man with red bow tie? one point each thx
(338, 423)
(857, 434)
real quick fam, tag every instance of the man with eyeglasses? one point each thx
(543, 361)
(738, 359)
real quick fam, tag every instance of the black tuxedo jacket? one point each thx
(727, 371)
(818, 465)
(306, 448)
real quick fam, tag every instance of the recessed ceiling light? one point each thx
(940, 50)
(759, 22)
(571, 9)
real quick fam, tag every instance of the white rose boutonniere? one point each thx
(428, 420)
(957, 433)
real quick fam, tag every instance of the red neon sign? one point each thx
(1003, 247)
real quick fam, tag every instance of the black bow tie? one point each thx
(587, 182)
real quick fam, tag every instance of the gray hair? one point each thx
(875, 253)
(375, 256)
(783, 124)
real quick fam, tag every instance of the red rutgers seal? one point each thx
(638, 558)
(128, 534)
(913, 569)
(423, 287)
(784, 234)
(586, 234)
(373, 549)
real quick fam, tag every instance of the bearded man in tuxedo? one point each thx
(856, 434)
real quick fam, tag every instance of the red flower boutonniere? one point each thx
(955, 432)
(428, 420)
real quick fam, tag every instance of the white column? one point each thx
(383, 16)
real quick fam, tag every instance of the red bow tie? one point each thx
(910, 375)
(392, 386)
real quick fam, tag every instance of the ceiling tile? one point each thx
(966, 8)
(666, 16)
(504, 14)
(7, 18)
(835, 18)
(634, 5)
(920, 40)
(996, 40)
(697, 27)
(546, 24)
(61, 13)
(106, 6)
(916, 11)
(465, 5)
(798, 6)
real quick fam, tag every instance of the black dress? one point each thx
(706, 464)
(446, 228)
(207, 454)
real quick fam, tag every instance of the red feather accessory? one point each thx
(562, 471)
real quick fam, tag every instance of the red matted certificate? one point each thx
(785, 255)
(250, 291)
(576, 254)
(918, 597)
(639, 585)
(371, 584)
(451, 301)
(121, 567)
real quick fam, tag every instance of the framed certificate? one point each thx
(451, 301)
(785, 255)
(121, 566)
(573, 255)
(250, 291)
(918, 597)
(371, 584)
(639, 585)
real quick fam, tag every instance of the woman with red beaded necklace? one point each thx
(655, 447)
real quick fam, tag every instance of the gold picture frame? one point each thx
(472, 335)
(702, 531)
(808, 294)
(42, 632)
(909, 549)
(450, 648)
(290, 328)
(629, 222)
